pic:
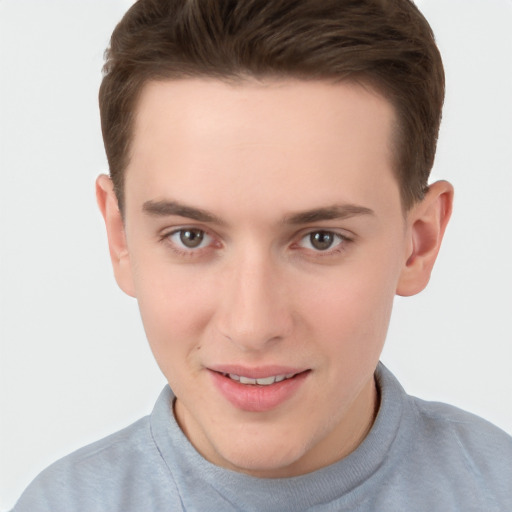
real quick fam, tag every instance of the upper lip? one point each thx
(256, 372)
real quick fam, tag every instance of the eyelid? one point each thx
(335, 235)
(216, 243)
(166, 234)
(205, 241)
(344, 240)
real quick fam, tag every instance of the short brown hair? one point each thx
(386, 44)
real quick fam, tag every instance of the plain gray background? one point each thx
(74, 363)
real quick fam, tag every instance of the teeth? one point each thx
(247, 380)
(266, 381)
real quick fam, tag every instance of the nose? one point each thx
(254, 307)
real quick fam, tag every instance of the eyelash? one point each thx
(185, 251)
(341, 246)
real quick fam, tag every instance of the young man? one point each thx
(267, 199)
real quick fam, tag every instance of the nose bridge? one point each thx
(254, 309)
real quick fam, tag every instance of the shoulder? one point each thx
(441, 425)
(458, 442)
(102, 456)
(100, 475)
(472, 432)
(443, 455)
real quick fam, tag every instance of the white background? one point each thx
(74, 363)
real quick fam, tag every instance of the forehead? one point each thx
(279, 136)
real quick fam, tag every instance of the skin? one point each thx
(257, 291)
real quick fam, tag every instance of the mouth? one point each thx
(264, 381)
(258, 390)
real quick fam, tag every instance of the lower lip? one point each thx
(256, 398)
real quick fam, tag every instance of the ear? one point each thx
(426, 224)
(119, 254)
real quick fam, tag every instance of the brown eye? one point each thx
(191, 238)
(322, 240)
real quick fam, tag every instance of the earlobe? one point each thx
(119, 254)
(427, 223)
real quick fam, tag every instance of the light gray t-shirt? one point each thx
(418, 456)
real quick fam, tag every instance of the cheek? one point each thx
(175, 309)
(354, 308)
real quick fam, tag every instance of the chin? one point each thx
(269, 459)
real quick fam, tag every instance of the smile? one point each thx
(263, 390)
(266, 381)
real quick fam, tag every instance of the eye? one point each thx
(321, 240)
(190, 238)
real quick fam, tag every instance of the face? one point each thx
(264, 241)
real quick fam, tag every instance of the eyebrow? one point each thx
(167, 208)
(335, 212)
